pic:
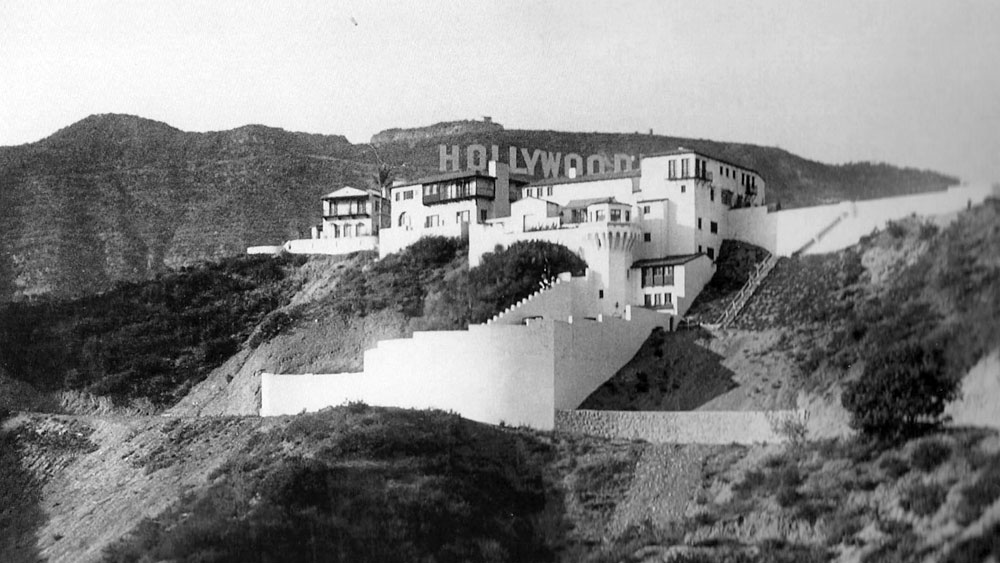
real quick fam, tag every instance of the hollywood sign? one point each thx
(524, 161)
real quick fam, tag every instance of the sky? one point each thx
(913, 83)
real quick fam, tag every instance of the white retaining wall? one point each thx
(333, 246)
(517, 374)
(786, 232)
(568, 296)
(688, 427)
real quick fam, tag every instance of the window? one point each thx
(671, 169)
(628, 216)
(647, 237)
(616, 215)
(711, 253)
(655, 276)
(548, 191)
(720, 170)
(685, 167)
(657, 299)
(397, 196)
(645, 209)
(600, 294)
(683, 188)
(462, 216)
(408, 194)
(699, 223)
(431, 221)
(482, 215)
(711, 194)
(713, 227)
(699, 249)
(668, 298)
(599, 216)
(648, 300)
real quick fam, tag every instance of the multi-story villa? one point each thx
(446, 204)
(352, 221)
(650, 235)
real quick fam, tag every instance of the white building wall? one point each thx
(522, 383)
(332, 245)
(834, 227)
(619, 188)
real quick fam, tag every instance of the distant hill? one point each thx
(119, 197)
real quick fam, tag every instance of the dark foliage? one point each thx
(384, 485)
(984, 547)
(502, 278)
(902, 393)
(149, 339)
(924, 500)
(929, 454)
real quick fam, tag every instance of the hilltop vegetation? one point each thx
(146, 344)
(117, 197)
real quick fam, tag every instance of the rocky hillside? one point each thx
(117, 197)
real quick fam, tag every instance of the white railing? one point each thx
(747, 291)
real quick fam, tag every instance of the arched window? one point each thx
(404, 220)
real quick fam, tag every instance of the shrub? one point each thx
(981, 494)
(985, 547)
(929, 454)
(902, 392)
(894, 466)
(924, 500)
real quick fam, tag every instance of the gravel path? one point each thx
(666, 479)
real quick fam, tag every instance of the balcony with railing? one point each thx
(462, 188)
(344, 208)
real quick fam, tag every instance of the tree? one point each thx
(902, 392)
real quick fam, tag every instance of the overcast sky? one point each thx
(914, 83)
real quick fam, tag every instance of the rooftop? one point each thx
(583, 203)
(454, 175)
(588, 178)
(348, 191)
(680, 150)
(674, 260)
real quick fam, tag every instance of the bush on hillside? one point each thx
(502, 278)
(152, 339)
(902, 392)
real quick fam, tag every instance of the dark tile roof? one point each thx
(584, 203)
(674, 260)
(454, 175)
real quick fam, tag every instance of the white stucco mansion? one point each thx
(650, 235)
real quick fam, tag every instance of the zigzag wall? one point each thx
(501, 372)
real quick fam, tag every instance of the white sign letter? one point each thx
(475, 157)
(550, 164)
(444, 158)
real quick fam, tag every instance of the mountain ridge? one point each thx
(117, 197)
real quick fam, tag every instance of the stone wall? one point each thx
(699, 427)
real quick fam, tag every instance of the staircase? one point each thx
(747, 291)
(822, 233)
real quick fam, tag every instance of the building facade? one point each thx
(446, 204)
(650, 235)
